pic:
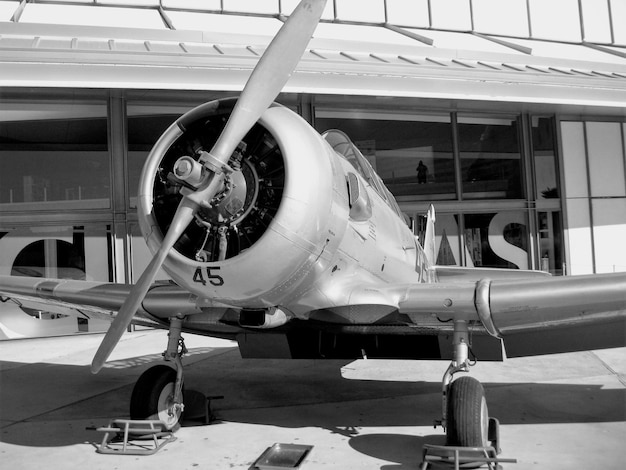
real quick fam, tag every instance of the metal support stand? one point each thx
(464, 457)
(460, 363)
(134, 437)
(461, 457)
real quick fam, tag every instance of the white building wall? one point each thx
(594, 169)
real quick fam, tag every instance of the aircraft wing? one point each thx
(98, 298)
(534, 316)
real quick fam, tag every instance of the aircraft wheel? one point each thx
(153, 397)
(468, 419)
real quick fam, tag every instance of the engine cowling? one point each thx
(280, 215)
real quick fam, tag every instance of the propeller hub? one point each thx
(234, 203)
(190, 171)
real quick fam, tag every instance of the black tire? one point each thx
(153, 396)
(468, 418)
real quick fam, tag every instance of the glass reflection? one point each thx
(546, 186)
(497, 240)
(490, 158)
(413, 156)
(65, 252)
(53, 152)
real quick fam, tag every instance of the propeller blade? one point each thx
(266, 81)
(182, 218)
(270, 75)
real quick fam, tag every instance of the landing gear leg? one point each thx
(158, 393)
(464, 408)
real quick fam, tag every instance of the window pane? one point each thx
(609, 232)
(252, 6)
(495, 16)
(606, 159)
(403, 13)
(542, 19)
(618, 16)
(51, 152)
(596, 21)
(361, 10)
(92, 16)
(451, 14)
(497, 240)
(213, 5)
(7, 9)
(151, 3)
(545, 158)
(574, 160)
(490, 158)
(551, 243)
(412, 154)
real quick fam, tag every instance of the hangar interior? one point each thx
(514, 129)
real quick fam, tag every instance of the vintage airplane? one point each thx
(288, 242)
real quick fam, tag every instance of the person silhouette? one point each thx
(422, 173)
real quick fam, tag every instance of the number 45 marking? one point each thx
(213, 279)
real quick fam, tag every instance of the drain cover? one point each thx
(281, 457)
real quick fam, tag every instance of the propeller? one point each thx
(265, 83)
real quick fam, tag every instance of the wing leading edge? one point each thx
(539, 315)
(100, 298)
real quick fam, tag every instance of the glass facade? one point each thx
(70, 165)
(481, 171)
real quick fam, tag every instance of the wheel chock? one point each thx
(198, 406)
(134, 437)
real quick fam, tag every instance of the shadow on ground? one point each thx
(51, 405)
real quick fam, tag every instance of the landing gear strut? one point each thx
(464, 408)
(158, 393)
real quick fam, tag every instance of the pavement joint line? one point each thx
(619, 376)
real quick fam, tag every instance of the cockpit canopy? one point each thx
(342, 144)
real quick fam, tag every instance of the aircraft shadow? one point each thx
(45, 404)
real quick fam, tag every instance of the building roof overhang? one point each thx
(34, 55)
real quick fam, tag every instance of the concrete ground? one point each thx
(556, 412)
